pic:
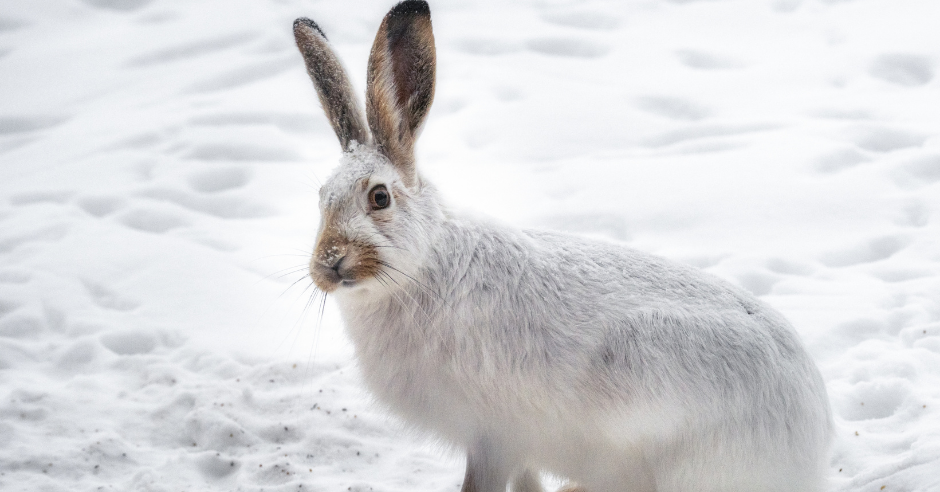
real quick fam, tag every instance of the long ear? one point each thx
(400, 84)
(336, 94)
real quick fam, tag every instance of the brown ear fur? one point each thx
(400, 83)
(336, 94)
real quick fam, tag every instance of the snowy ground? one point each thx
(159, 161)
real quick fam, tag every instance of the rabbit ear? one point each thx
(336, 94)
(400, 83)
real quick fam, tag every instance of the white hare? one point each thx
(537, 351)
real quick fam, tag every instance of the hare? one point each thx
(536, 351)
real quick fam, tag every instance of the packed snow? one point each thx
(159, 162)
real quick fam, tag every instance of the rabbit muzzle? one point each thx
(338, 262)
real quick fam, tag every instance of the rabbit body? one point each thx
(617, 369)
(539, 351)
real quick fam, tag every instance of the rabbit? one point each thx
(541, 352)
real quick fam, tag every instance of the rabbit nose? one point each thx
(331, 257)
(338, 261)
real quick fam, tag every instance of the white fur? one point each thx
(539, 351)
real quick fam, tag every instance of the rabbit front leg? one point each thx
(526, 481)
(486, 470)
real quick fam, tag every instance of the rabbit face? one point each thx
(377, 215)
(372, 224)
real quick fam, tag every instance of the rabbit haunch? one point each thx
(536, 351)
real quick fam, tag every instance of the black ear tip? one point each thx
(305, 22)
(411, 7)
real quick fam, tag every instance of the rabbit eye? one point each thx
(379, 198)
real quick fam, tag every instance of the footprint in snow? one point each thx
(221, 206)
(840, 160)
(702, 60)
(923, 171)
(121, 5)
(673, 108)
(887, 140)
(289, 122)
(788, 267)
(872, 399)
(567, 47)
(5, 51)
(218, 180)
(245, 75)
(487, 46)
(191, 49)
(584, 19)
(129, 342)
(246, 152)
(873, 250)
(10, 125)
(9, 24)
(108, 299)
(40, 234)
(152, 220)
(21, 324)
(100, 206)
(758, 283)
(78, 355)
(706, 131)
(786, 5)
(902, 69)
(40, 197)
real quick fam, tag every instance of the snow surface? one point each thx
(159, 162)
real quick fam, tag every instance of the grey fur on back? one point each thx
(538, 351)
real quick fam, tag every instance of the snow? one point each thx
(159, 163)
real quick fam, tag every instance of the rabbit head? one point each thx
(376, 212)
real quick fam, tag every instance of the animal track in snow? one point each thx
(902, 69)
(868, 252)
(873, 399)
(705, 131)
(221, 179)
(99, 206)
(245, 75)
(702, 60)
(214, 465)
(886, 140)
(130, 342)
(673, 107)
(46, 233)
(191, 50)
(234, 152)
(121, 5)
(8, 24)
(567, 47)
(78, 355)
(21, 324)
(108, 299)
(40, 197)
(583, 19)
(787, 267)
(5, 51)
(487, 47)
(224, 207)
(758, 283)
(151, 220)
(924, 171)
(840, 160)
(27, 124)
(786, 5)
(290, 122)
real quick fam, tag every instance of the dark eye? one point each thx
(379, 198)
